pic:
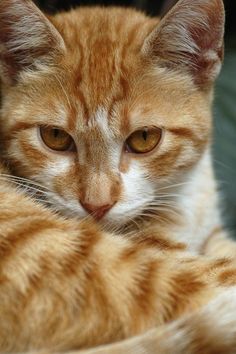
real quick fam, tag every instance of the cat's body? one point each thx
(66, 286)
(108, 112)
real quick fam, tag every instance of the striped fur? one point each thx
(159, 258)
(67, 285)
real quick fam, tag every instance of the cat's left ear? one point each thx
(28, 40)
(190, 39)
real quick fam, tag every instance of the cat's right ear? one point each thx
(28, 40)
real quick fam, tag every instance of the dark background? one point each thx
(152, 7)
(224, 147)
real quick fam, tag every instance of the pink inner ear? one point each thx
(190, 37)
(26, 36)
(211, 49)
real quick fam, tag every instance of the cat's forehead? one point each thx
(104, 83)
(104, 54)
(106, 27)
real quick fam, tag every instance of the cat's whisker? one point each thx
(156, 210)
(46, 203)
(174, 186)
(133, 224)
(167, 195)
(63, 90)
(23, 180)
(29, 189)
(157, 217)
(163, 202)
(168, 207)
(32, 191)
(157, 203)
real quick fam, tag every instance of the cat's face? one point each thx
(103, 111)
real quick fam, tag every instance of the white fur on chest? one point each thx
(199, 205)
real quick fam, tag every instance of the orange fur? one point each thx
(100, 74)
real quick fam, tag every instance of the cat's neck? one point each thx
(193, 217)
(199, 204)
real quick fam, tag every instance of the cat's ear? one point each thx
(190, 38)
(28, 40)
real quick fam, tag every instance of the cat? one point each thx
(98, 78)
(106, 118)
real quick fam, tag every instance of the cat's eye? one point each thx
(57, 139)
(143, 140)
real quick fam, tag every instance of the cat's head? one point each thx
(105, 106)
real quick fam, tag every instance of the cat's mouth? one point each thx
(118, 217)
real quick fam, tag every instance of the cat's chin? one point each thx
(110, 223)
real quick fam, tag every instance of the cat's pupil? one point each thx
(56, 133)
(145, 135)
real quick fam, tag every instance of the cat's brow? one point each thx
(21, 126)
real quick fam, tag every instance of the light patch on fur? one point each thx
(61, 116)
(59, 166)
(68, 205)
(138, 191)
(199, 221)
(100, 120)
(53, 169)
(222, 311)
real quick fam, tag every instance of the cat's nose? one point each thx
(97, 211)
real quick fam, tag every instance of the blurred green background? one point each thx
(224, 147)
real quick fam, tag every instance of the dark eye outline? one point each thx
(130, 150)
(72, 148)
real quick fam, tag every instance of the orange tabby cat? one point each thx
(106, 117)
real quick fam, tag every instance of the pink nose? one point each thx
(97, 211)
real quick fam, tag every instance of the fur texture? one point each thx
(158, 258)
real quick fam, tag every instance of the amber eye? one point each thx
(57, 139)
(143, 140)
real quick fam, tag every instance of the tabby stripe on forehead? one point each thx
(124, 83)
(72, 119)
(120, 96)
(79, 92)
(126, 48)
